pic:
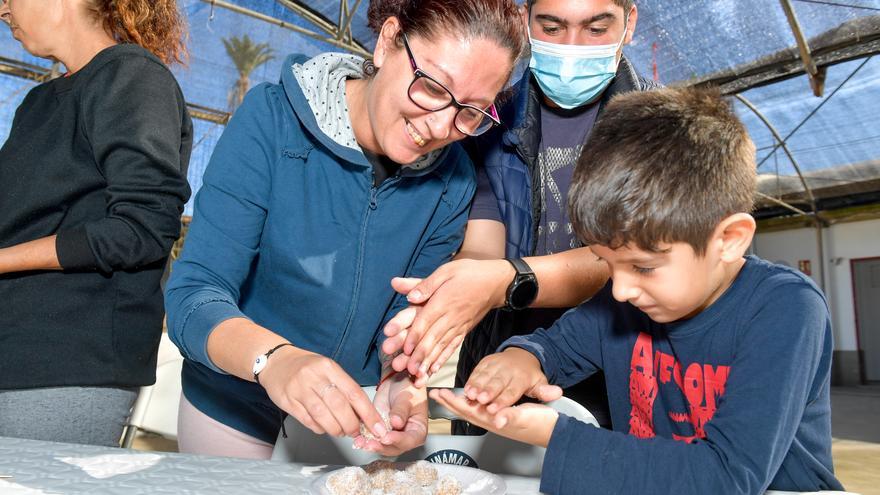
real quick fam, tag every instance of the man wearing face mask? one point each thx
(520, 258)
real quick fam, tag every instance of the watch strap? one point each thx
(521, 267)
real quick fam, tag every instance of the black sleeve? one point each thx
(134, 117)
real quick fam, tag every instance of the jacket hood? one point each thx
(315, 88)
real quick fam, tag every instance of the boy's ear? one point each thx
(735, 233)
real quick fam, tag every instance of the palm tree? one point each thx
(246, 56)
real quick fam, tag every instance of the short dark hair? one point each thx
(662, 166)
(626, 5)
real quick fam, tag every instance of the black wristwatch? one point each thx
(523, 288)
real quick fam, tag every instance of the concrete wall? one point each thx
(842, 242)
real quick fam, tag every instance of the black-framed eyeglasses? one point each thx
(431, 95)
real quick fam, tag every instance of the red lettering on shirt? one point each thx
(702, 386)
(642, 389)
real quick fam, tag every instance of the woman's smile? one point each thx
(417, 138)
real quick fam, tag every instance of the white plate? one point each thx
(473, 481)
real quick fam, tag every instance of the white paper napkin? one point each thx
(9, 488)
(105, 466)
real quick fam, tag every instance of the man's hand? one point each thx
(500, 380)
(444, 308)
(407, 408)
(529, 423)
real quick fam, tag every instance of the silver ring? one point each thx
(326, 388)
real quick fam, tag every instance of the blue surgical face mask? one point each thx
(573, 75)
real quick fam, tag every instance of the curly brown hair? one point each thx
(153, 24)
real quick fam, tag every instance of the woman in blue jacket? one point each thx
(322, 188)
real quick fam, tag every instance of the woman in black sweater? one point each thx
(92, 185)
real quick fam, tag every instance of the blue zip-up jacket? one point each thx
(734, 400)
(289, 231)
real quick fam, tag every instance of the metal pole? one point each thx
(820, 248)
(287, 25)
(346, 24)
(40, 74)
(783, 204)
(783, 145)
(343, 11)
(817, 77)
(317, 20)
(322, 24)
(817, 220)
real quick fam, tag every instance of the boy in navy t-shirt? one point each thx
(717, 364)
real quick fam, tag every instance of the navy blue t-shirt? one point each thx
(735, 399)
(563, 133)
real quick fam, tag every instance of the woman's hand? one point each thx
(319, 394)
(407, 408)
(529, 423)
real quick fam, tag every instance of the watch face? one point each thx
(523, 293)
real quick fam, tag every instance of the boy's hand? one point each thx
(529, 423)
(500, 380)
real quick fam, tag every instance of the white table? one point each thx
(56, 468)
